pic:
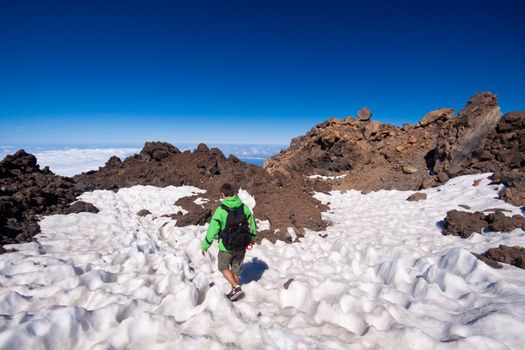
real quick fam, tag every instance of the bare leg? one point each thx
(230, 277)
(237, 279)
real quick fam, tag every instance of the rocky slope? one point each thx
(26, 191)
(283, 200)
(374, 156)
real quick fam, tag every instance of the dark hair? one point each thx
(228, 190)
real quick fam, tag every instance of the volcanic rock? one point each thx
(143, 212)
(287, 283)
(364, 114)
(371, 155)
(81, 207)
(442, 115)
(196, 214)
(503, 151)
(463, 224)
(466, 134)
(505, 254)
(492, 263)
(157, 150)
(286, 201)
(409, 169)
(513, 196)
(499, 222)
(26, 191)
(418, 196)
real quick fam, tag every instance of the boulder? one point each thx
(418, 196)
(513, 196)
(157, 151)
(364, 114)
(509, 255)
(463, 224)
(143, 212)
(409, 169)
(466, 134)
(499, 222)
(81, 207)
(442, 114)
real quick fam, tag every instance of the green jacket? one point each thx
(218, 222)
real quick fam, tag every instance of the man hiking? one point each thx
(233, 224)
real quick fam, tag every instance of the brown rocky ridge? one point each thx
(374, 156)
(284, 201)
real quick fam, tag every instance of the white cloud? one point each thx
(74, 161)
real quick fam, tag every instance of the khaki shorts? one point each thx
(233, 259)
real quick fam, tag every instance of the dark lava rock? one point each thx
(503, 153)
(499, 222)
(463, 224)
(113, 161)
(418, 196)
(196, 214)
(514, 180)
(505, 254)
(26, 192)
(81, 207)
(158, 150)
(287, 283)
(492, 263)
(200, 217)
(143, 212)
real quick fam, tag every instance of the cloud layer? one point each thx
(73, 161)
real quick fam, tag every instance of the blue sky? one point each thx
(257, 72)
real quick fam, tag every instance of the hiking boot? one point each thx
(235, 293)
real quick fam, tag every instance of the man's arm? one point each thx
(213, 229)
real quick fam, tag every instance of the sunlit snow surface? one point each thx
(383, 278)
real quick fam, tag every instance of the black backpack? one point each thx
(236, 234)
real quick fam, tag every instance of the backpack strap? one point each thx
(225, 207)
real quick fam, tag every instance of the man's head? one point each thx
(227, 190)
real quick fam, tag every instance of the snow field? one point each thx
(383, 278)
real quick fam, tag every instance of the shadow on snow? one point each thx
(253, 270)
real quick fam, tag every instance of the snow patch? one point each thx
(246, 198)
(322, 177)
(262, 225)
